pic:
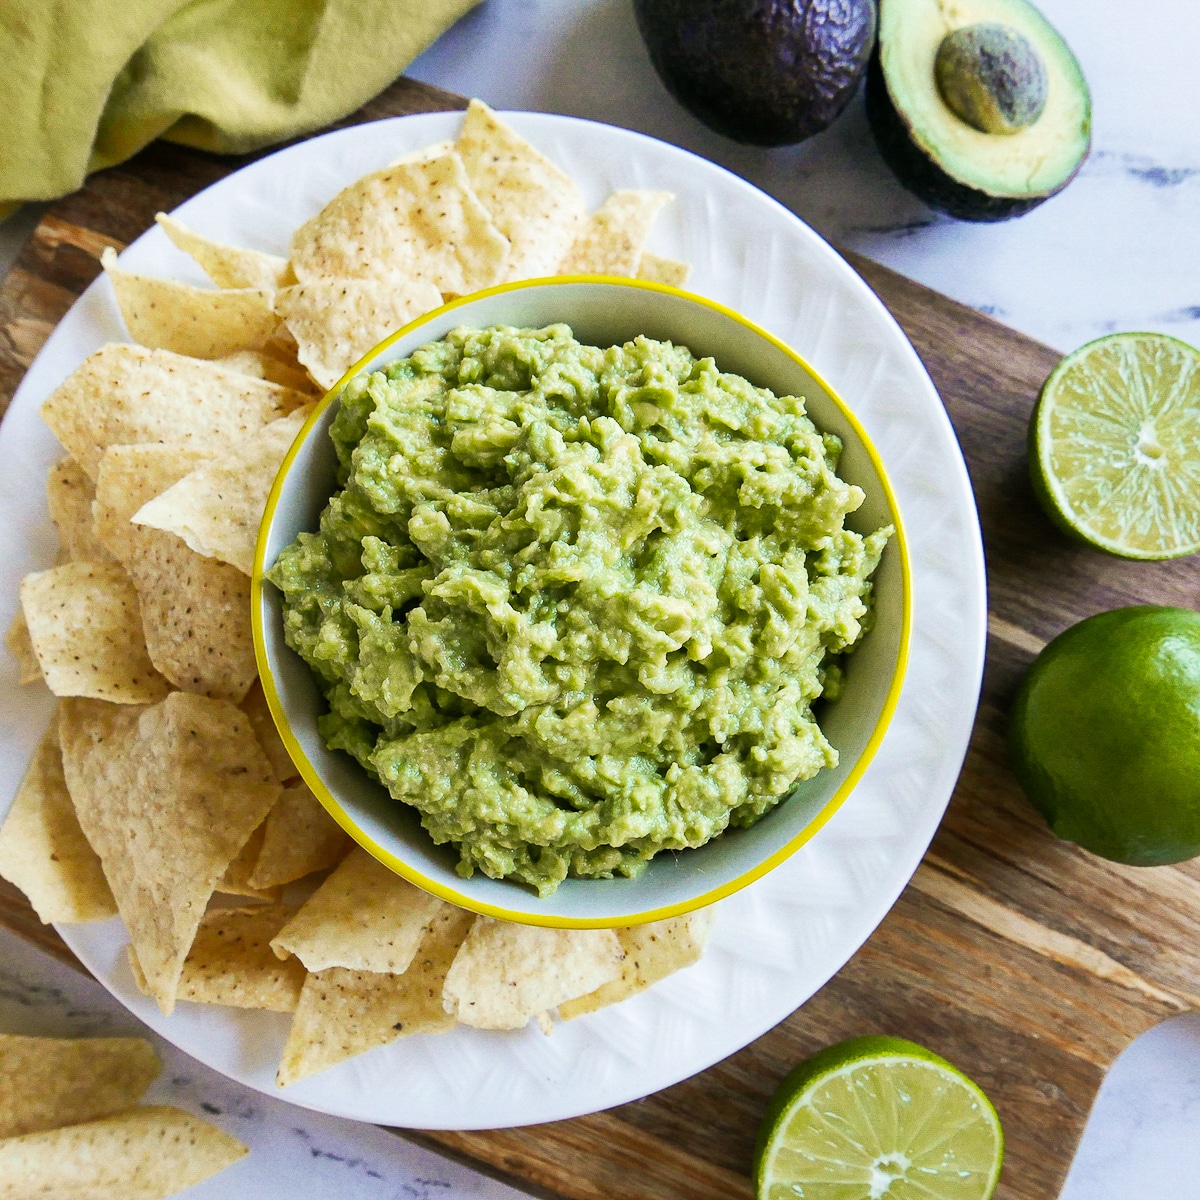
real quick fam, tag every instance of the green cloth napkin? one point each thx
(85, 84)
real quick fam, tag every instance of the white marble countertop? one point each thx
(1119, 249)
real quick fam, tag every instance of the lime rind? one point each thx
(878, 1117)
(1114, 446)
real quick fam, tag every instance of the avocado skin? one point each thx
(766, 72)
(922, 176)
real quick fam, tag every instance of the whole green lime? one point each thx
(1105, 734)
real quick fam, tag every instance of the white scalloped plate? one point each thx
(776, 942)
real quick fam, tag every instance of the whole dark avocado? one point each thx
(767, 72)
(982, 121)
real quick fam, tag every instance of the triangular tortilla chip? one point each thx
(236, 880)
(227, 266)
(201, 322)
(336, 321)
(167, 796)
(218, 507)
(21, 648)
(48, 1082)
(43, 850)
(300, 837)
(658, 269)
(425, 153)
(85, 624)
(343, 1013)
(146, 1153)
(364, 917)
(534, 204)
(122, 394)
(254, 705)
(258, 364)
(195, 610)
(504, 974)
(612, 241)
(69, 496)
(231, 962)
(419, 222)
(652, 952)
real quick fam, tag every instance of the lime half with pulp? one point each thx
(1114, 447)
(878, 1117)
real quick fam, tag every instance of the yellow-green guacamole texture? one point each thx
(575, 604)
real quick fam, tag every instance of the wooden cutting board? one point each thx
(1025, 961)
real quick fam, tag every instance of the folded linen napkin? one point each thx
(85, 84)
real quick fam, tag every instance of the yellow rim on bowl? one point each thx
(313, 779)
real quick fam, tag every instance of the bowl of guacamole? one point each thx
(581, 603)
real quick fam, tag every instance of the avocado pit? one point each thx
(991, 77)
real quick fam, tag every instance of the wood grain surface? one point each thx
(1022, 959)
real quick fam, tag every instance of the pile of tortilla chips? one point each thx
(162, 783)
(71, 1125)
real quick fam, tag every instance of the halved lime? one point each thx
(877, 1117)
(1114, 445)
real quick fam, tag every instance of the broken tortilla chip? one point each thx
(612, 240)
(658, 269)
(21, 648)
(195, 610)
(217, 508)
(43, 850)
(231, 961)
(535, 205)
(122, 395)
(227, 266)
(300, 837)
(254, 705)
(418, 222)
(201, 322)
(48, 1082)
(167, 796)
(363, 917)
(69, 496)
(504, 974)
(147, 1153)
(337, 321)
(652, 952)
(344, 1013)
(236, 880)
(85, 625)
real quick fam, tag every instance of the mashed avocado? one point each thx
(573, 604)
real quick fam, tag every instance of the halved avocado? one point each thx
(1026, 113)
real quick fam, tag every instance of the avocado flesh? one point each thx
(765, 72)
(953, 167)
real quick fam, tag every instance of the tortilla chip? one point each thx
(236, 880)
(658, 269)
(122, 395)
(254, 705)
(364, 917)
(612, 241)
(21, 648)
(227, 266)
(534, 204)
(231, 962)
(337, 321)
(259, 364)
(299, 837)
(217, 508)
(43, 850)
(195, 610)
(343, 1013)
(167, 796)
(69, 495)
(48, 1082)
(86, 628)
(146, 1153)
(418, 222)
(202, 322)
(504, 974)
(652, 952)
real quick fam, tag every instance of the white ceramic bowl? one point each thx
(601, 311)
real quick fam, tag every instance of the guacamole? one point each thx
(574, 604)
